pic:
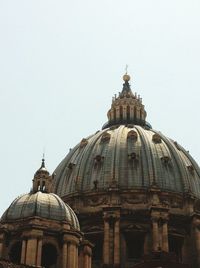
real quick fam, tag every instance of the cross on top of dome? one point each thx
(126, 77)
(127, 107)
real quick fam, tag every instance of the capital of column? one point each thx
(87, 250)
(72, 239)
(111, 215)
(165, 218)
(196, 221)
(159, 214)
(32, 234)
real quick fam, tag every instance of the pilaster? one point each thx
(2, 244)
(196, 237)
(70, 251)
(159, 217)
(111, 247)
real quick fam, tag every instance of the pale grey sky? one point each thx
(62, 61)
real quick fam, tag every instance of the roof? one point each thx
(132, 156)
(44, 205)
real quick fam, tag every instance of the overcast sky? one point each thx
(62, 61)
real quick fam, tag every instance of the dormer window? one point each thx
(132, 135)
(105, 137)
(156, 138)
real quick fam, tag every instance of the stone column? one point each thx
(31, 251)
(131, 113)
(64, 255)
(197, 242)
(155, 233)
(87, 251)
(117, 112)
(32, 247)
(106, 242)
(23, 254)
(71, 255)
(159, 216)
(72, 251)
(165, 243)
(76, 256)
(39, 252)
(117, 241)
(111, 114)
(196, 238)
(81, 259)
(124, 112)
(137, 112)
(2, 241)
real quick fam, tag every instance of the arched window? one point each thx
(175, 245)
(15, 252)
(97, 252)
(49, 256)
(134, 246)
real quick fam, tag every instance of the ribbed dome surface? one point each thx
(132, 157)
(44, 205)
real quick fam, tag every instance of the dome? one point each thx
(43, 205)
(127, 154)
(131, 157)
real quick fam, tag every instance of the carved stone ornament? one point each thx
(83, 143)
(191, 169)
(176, 203)
(92, 229)
(96, 201)
(166, 160)
(137, 227)
(134, 200)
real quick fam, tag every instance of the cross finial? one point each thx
(43, 158)
(126, 68)
(126, 77)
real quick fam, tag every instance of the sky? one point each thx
(61, 62)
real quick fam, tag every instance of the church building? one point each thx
(124, 197)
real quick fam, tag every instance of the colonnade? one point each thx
(156, 240)
(75, 252)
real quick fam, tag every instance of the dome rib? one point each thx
(87, 165)
(147, 153)
(62, 167)
(191, 160)
(174, 153)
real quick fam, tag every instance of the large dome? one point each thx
(127, 154)
(44, 205)
(131, 157)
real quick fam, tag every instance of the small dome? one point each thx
(43, 205)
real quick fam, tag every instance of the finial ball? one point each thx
(126, 77)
